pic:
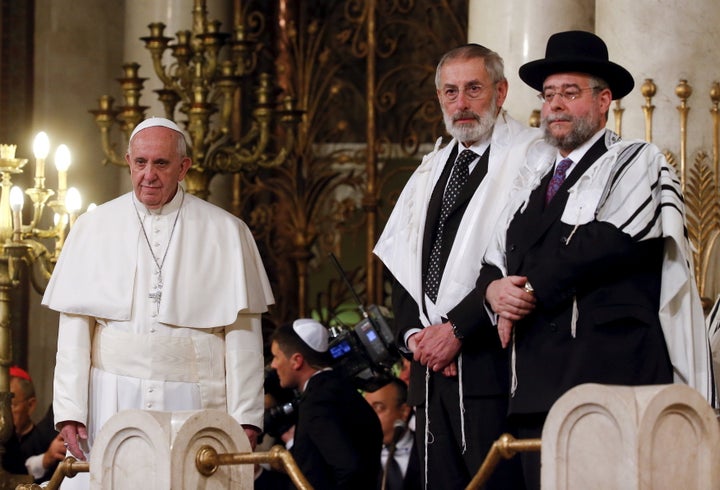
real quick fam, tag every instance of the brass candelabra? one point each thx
(30, 245)
(205, 83)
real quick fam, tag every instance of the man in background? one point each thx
(35, 449)
(337, 437)
(400, 464)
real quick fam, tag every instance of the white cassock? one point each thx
(197, 346)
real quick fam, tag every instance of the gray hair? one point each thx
(493, 62)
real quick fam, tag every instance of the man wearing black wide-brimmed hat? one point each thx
(592, 280)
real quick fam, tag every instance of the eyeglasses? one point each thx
(473, 91)
(568, 94)
(14, 403)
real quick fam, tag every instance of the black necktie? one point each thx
(393, 473)
(458, 179)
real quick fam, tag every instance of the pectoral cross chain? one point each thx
(156, 293)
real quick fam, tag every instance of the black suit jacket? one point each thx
(483, 356)
(37, 441)
(338, 437)
(412, 479)
(616, 283)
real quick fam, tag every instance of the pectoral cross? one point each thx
(156, 293)
(156, 296)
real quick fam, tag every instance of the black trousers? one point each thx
(529, 426)
(449, 467)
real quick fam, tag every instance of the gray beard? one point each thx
(476, 131)
(582, 130)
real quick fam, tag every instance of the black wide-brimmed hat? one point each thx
(577, 51)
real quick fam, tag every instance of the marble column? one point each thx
(518, 30)
(678, 41)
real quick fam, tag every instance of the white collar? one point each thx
(478, 147)
(167, 208)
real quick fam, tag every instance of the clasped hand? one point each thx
(437, 348)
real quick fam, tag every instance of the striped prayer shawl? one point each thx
(633, 187)
(713, 325)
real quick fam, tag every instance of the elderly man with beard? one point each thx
(598, 284)
(433, 245)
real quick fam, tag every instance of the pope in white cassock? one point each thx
(160, 295)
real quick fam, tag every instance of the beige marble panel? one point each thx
(631, 438)
(586, 433)
(147, 449)
(218, 430)
(679, 439)
(132, 451)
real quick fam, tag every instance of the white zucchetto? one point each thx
(313, 333)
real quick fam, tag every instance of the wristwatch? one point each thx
(458, 335)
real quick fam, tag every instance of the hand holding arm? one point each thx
(509, 299)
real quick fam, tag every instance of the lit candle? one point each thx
(16, 204)
(73, 203)
(73, 200)
(41, 148)
(62, 163)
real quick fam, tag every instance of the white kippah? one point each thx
(155, 121)
(313, 333)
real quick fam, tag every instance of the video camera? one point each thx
(366, 352)
(279, 418)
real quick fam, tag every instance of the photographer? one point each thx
(337, 436)
(278, 426)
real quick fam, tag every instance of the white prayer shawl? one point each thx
(633, 187)
(212, 255)
(400, 245)
(713, 325)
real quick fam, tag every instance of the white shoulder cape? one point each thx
(212, 272)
